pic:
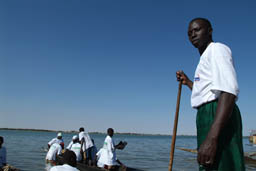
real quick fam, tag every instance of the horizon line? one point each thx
(73, 131)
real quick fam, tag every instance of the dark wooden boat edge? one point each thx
(84, 167)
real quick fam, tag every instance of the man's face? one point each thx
(199, 34)
(111, 133)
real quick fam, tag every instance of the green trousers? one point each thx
(230, 155)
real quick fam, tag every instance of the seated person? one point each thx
(69, 162)
(54, 150)
(2, 153)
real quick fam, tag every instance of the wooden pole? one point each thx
(175, 127)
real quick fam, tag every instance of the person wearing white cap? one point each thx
(71, 142)
(76, 148)
(56, 140)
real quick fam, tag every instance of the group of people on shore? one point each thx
(82, 149)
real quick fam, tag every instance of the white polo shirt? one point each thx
(108, 156)
(102, 157)
(214, 73)
(70, 145)
(64, 167)
(88, 142)
(55, 140)
(77, 148)
(54, 150)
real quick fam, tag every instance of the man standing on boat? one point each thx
(107, 155)
(56, 140)
(86, 144)
(214, 92)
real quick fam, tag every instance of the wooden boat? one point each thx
(84, 167)
(248, 157)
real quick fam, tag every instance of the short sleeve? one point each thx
(223, 71)
(80, 136)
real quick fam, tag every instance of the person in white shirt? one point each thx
(107, 154)
(69, 162)
(2, 153)
(87, 145)
(102, 157)
(76, 148)
(71, 142)
(214, 93)
(54, 150)
(56, 140)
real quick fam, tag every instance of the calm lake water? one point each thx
(25, 150)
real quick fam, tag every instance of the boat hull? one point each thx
(84, 167)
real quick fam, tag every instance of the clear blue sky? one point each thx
(111, 63)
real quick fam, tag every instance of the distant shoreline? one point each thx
(72, 131)
(76, 132)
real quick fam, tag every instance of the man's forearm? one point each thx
(224, 110)
(190, 84)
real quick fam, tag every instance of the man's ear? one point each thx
(210, 31)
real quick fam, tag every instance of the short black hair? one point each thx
(81, 129)
(206, 21)
(110, 130)
(69, 157)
